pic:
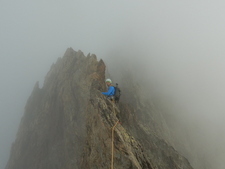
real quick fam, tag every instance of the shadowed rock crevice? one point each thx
(68, 124)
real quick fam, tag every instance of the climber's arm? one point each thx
(110, 90)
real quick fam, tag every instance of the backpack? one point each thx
(117, 93)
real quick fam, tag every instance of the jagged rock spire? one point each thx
(67, 124)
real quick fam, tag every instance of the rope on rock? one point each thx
(113, 144)
(114, 109)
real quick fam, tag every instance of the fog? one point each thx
(174, 48)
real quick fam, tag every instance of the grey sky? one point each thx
(178, 46)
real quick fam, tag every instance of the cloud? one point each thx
(175, 48)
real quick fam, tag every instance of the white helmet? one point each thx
(108, 80)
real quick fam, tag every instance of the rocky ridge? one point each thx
(68, 123)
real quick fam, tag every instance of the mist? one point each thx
(174, 49)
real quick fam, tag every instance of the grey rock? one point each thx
(68, 123)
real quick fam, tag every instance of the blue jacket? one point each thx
(110, 92)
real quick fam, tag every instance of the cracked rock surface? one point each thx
(68, 123)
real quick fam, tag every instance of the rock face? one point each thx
(68, 124)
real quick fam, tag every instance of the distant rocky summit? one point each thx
(69, 124)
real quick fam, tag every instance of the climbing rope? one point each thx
(113, 143)
(114, 109)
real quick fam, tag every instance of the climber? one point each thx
(111, 90)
